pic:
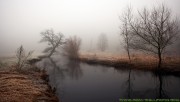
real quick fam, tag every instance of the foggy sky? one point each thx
(21, 21)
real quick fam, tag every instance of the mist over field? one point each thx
(89, 50)
(22, 21)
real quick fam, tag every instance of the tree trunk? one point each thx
(52, 51)
(128, 54)
(160, 59)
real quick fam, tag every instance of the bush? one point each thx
(72, 47)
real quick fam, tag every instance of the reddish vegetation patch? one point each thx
(19, 87)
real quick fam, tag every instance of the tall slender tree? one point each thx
(125, 28)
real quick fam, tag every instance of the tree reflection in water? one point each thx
(70, 76)
(156, 92)
(73, 69)
(161, 91)
(69, 68)
(56, 68)
(128, 85)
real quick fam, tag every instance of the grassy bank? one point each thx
(138, 62)
(26, 85)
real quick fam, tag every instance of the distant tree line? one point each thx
(102, 42)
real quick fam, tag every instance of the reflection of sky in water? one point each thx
(80, 82)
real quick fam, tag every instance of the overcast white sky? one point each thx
(21, 21)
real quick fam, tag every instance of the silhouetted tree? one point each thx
(72, 47)
(22, 57)
(53, 40)
(126, 31)
(102, 42)
(154, 30)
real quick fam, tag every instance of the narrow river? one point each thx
(81, 82)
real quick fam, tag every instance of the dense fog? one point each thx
(22, 21)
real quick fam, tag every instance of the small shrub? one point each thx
(22, 57)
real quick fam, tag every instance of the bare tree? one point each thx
(72, 47)
(53, 40)
(102, 42)
(155, 29)
(22, 57)
(126, 31)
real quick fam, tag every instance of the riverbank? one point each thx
(171, 65)
(26, 85)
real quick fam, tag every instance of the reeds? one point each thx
(138, 61)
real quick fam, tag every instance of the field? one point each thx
(27, 85)
(138, 61)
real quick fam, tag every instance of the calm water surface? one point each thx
(81, 82)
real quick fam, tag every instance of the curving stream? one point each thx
(81, 82)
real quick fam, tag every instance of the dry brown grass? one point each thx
(138, 61)
(7, 62)
(19, 87)
(26, 85)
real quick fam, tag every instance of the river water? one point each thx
(80, 82)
